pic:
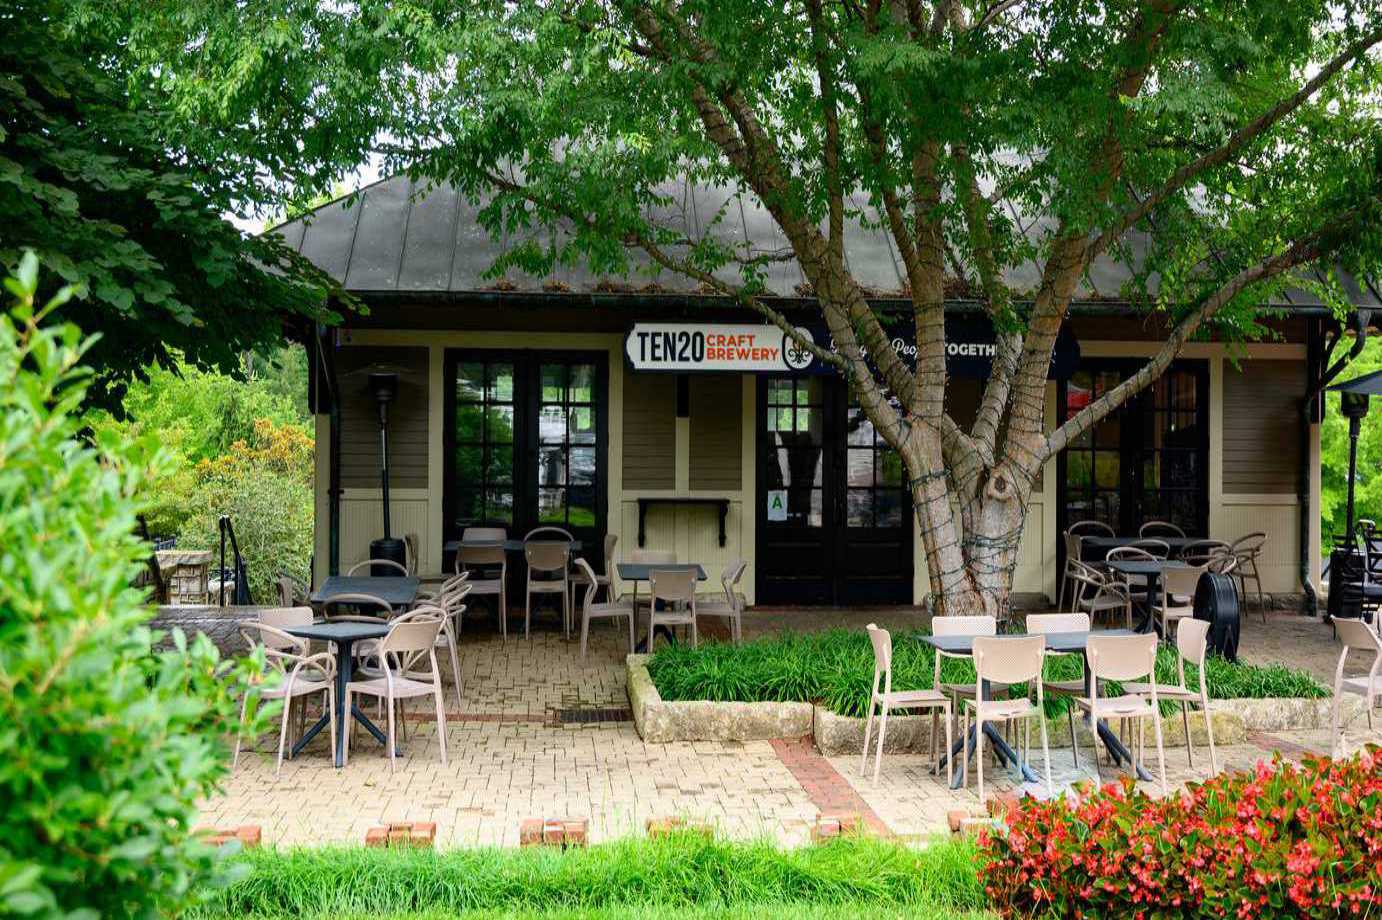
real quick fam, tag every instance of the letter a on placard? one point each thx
(777, 504)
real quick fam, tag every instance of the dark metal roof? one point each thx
(400, 236)
(1368, 385)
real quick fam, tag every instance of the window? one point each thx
(874, 483)
(566, 471)
(796, 420)
(485, 414)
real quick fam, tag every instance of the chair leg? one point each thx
(527, 613)
(441, 722)
(503, 615)
(979, 752)
(1045, 752)
(1074, 740)
(392, 742)
(964, 754)
(349, 730)
(949, 745)
(1160, 752)
(868, 733)
(935, 728)
(882, 731)
(1189, 745)
(331, 715)
(239, 731)
(283, 734)
(585, 631)
(1209, 734)
(632, 643)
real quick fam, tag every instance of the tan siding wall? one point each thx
(716, 459)
(650, 431)
(1261, 426)
(360, 419)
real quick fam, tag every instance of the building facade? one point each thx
(678, 422)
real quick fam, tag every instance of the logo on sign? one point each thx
(797, 357)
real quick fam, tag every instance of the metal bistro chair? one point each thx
(292, 592)
(401, 571)
(1090, 528)
(884, 698)
(1248, 549)
(548, 533)
(552, 562)
(606, 581)
(298, 674)
(609, 610)
(1192, 641)
(732, 607)
(407, 642)
(1139, 551)
(1160, 529)
(1355, 635)
(676, 589)
(1007, 660)
(1123, 659)
(487, 568)
(1101, 592)
(1177, 601)
(1074, 556)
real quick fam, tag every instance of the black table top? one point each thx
(398, 591)
(1055, 641)
(340, 632)
(1144, 566)
(639, 571)
(509, 546)
(1108, 543)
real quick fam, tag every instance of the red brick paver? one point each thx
(822, 783)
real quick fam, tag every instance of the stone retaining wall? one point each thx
(663, 721)
(220, 624)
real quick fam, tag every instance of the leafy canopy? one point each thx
(93, 179)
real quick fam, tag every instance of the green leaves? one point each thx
(106, 743)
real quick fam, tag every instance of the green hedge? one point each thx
(628, 878)
(834, 668)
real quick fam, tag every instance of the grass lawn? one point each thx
(834, 668)
(680, 876)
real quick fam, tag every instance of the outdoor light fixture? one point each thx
(1353, 403)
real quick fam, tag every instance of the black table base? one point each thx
(344, 666)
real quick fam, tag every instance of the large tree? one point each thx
(94, 181)
(1237, 142)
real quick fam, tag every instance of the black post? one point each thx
(221, 524)
(384, 462)
(1354, 423)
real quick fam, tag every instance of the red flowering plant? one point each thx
(1298, 840)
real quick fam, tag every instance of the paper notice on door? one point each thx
(777, 504)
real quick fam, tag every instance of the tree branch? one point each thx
(1240, 139)
(830, 113)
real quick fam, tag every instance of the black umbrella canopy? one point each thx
(1366, 385)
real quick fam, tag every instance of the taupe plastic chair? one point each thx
(1201, 551)
(407, 642)
(1177, 601)
(649, 557)
(1041, 624)
(1248, 549)
(1074, 555)
(610, 610)
(732, 607)
(551, 559)
(484, 534)
(1124, 659)
(578, 576)
(410, 552)
(1160, 529)
(488, 571)
(1355, 635)
(1091, 528)
(1098, 592)
(451, 598)
(1139, 551)
(399, 570)
(357, 608)
(293, 674)
(884, 698)
(1007, 660)
(446, 639)
(676, 589)
(981, 625)
(548, 533)
(1192, 642)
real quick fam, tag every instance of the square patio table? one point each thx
(1100, 546)
(640, 571)
(343, 636)
(396, 591)
(1152, 569)
(1061, 642)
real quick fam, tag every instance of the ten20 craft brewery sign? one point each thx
(747, 349)
(691, 347)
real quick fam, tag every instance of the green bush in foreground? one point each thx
(834, 668)
(671, 874)
(105, 746)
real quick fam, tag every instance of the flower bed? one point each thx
(834, 668)
(1296, 840)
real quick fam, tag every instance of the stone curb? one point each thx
(659, 721)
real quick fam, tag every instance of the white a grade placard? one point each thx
(733, 348)
(777, 504)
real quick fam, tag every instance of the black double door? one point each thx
(834, 523)
(525, 445)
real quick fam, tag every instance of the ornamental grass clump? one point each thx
(105, 744)
(1283, 840)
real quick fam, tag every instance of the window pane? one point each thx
(1106, 470)
(582, 385)
(553, 382)
(582, 465)
(551, 467)
(889, 469)
(499, 506)
(470, 381)
(859, 508)
(1077, 478)
(469, 507)
(581, 425)
(469, 464)
(499, 383)
(499, 424)
(468, 427)
(859, 466)
(799, 466)
(809, 422)
(809, 392)
(551, 424)
(888, 509)
(499, 469)
(859, 428)
(581, 512)
(551, 505)
(779, 392)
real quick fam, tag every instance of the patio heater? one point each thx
(1344, 561)
(382, 383)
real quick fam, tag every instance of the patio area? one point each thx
(543, 734)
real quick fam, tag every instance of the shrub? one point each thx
(1297, 840)
(834, 668)
(265, 486)
(105, 745)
